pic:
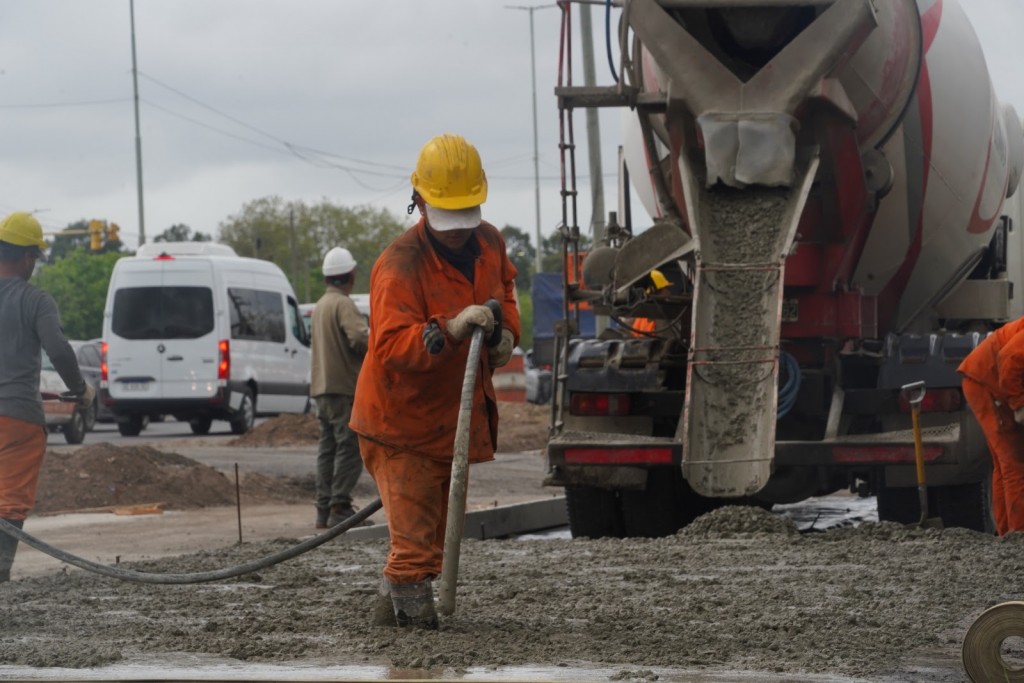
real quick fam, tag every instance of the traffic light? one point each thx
(112, 233)
(96, 235)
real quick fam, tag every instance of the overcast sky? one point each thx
(310, 99)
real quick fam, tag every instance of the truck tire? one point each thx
(898, 504)
(958, 505)
(245, 416)
(664, 507)
(964, 505)
(593, 513)
(74, 431)
(132, 426)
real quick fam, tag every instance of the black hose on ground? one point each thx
(195, 577)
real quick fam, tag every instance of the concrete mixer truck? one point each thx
(827, 185)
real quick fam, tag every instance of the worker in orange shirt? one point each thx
(993, 385)
(427, 293)
(648, 327)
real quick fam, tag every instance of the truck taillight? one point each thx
(103, 361)
(936, 401)
(224, 363)
(594, 405)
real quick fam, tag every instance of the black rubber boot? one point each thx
(8, 546)
(340, 513)
(414, 604)
(322, 514)
(383, 608)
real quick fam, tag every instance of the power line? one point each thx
(52, 105)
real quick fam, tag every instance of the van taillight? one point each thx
(103, 361)
(163, 257)
(224, 364)
(589, 404)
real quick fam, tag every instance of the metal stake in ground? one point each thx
(457, 489)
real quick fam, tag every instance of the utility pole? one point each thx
(593, 127)
(138, 137)
(536, 154)
(295, 251)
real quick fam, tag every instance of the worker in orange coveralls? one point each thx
(648, 327)
(427, 291)
(993, 385)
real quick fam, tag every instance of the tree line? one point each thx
(292, 234)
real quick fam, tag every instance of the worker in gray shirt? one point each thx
(339, 339)
(30, 322)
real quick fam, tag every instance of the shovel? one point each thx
(914, 394)
(460, 470)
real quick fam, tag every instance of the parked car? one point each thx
(89, 354)
(67, 417)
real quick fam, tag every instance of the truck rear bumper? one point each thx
(581, 458)
(607, 460)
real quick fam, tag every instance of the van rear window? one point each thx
(163, 312)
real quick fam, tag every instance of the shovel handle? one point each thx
(914, 394)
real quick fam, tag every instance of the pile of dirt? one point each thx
(283, 430)
(103, 475)
(522, 427)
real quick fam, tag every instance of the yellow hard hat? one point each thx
(659, 280)
(23, 230)
(449, 174)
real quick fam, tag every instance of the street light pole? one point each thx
(138, 137)
(536, 153)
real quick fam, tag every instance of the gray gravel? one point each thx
(739, 590)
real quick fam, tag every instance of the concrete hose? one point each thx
(194, 577)
(982, 655)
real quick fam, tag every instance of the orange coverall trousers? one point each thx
(1006, 443)
(414, 492)
(22, 446)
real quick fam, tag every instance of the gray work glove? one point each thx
(85, 399)
(461, 326)
(500, 354)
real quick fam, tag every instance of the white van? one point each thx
(362, 302)
(193, 330)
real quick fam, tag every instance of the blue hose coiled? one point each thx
(788, 391)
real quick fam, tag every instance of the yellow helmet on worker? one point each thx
(22, 230)
(450, 178)
(658, 280)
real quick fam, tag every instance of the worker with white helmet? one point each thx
(339, 336)
(427, 292)
(30, 322)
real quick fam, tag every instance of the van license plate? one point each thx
(135, 386)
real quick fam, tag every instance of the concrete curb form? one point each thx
(494, 522)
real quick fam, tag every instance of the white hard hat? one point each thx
(338, 261)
